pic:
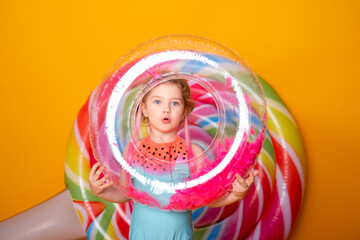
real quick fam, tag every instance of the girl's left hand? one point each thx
(241, 186)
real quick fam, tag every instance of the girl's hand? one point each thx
(239, 191)
(241, 186)
(98, 186)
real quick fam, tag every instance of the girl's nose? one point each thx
(166, 109)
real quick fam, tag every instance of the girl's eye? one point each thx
(157, 101)
(175, 103)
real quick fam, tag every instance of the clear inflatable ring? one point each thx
(237, 98)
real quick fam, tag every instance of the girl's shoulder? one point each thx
(197, 150)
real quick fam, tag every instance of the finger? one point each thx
(250, 179)
(256, 173)
(92, 178)
(94, 168)
(98, 172)
(105, 185)
(109, 183)
(236, 187)
(241, 181)
(104, 179)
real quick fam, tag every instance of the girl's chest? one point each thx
(160, 159)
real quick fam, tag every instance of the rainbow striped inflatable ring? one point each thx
(269, 211)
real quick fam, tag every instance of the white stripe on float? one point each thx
(268, 176)
(280, 107)
(219, 215)
(256, 233)
(235, 67)
(206, 119)
(284, 201)
(200, 108)
(272, 160)
(83, 213)
(179, 65)
(97, 227)
(82, 184)
(205, 96)
(79, 141)
(293, 156)
(222, 229)
(128, 210)
(122, 213)
(201, 215)
(208, 232)
(259, 190)
(267, 173)
(204, 71)
(114, 223)
(240, 218)
(76, 179)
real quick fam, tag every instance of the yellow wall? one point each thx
(53, 53)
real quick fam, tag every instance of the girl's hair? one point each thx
(185, 89)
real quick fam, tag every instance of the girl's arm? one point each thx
(239, 191)
(104, 187)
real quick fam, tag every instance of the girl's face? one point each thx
(164, 107)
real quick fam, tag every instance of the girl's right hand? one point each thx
(97, 185)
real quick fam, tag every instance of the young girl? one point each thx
(164, 108)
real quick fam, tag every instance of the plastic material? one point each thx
(52, 219)
(222, 86)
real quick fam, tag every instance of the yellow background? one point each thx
(53, 53)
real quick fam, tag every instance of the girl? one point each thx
(164, 108)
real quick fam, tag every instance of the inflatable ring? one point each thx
(270, 208)
(176, 179)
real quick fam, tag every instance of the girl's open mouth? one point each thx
(166, 120)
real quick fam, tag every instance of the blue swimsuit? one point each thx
(154, 224)
(149, 223)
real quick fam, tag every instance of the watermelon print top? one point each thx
(153, 161)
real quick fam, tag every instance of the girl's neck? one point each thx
(161, 137)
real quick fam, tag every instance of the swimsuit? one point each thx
(153, 161)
